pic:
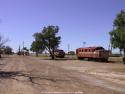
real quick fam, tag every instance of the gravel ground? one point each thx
(37, 75)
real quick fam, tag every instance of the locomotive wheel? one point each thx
(79, 58)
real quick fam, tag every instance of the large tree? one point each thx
(48, 37)
(8, 50)
(117, 35)
(2, 42)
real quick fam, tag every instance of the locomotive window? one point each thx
(81, 50)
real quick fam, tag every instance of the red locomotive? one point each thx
(96, 53)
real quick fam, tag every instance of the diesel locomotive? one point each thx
(95, 53)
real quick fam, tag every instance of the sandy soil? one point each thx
(31, 75)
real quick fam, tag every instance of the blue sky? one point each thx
(79, 20)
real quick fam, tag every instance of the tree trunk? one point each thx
(36, 54)
(53, 57)
(52, 54)
(124, 56)
(124, 52)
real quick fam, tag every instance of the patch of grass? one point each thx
(115, 59)
(42, 55)
(118, 69)
(73, 57)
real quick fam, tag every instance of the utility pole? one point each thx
(23, 44)
(19, 48)
(68, 48)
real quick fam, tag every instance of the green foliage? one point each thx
(48, 39)
(119, 22)
(2, 41)
(37, 46)
(8, 50)
(118, 33)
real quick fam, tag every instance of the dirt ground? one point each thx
(37, 75)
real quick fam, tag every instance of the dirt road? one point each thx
(31, 75)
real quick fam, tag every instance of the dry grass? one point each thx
(118, 69)
(115, 59)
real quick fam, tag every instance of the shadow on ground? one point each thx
(30, 78)
(4, 74)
